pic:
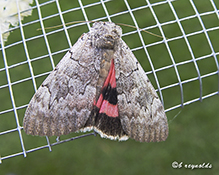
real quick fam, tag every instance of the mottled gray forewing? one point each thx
(140, 110)
(64, 101)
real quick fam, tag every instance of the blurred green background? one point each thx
(193, 130)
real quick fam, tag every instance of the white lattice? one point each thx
(29, 55)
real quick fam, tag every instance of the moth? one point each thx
(98, 85)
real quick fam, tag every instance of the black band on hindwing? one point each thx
(110, 94)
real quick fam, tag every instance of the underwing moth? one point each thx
(98, 85)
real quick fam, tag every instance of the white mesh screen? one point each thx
(182, 65)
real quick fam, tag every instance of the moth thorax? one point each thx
(106, 42)
(105, 34)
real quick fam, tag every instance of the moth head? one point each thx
(105, 34)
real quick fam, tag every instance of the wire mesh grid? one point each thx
(183, 61)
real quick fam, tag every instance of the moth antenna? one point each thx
(68, 23)
(127, 25)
